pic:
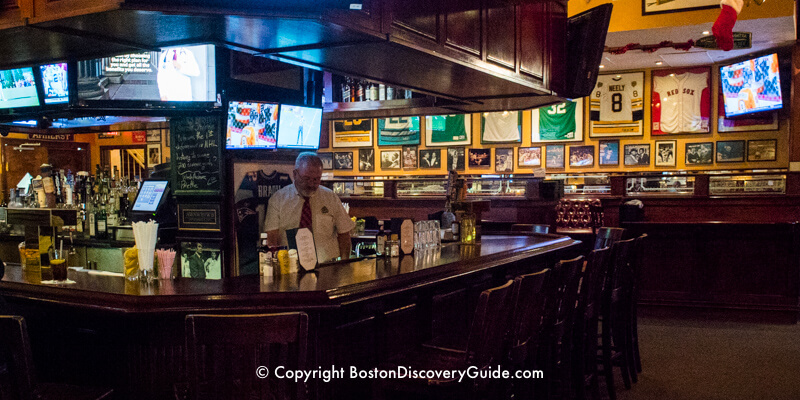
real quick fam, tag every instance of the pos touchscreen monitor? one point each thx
(151, 196)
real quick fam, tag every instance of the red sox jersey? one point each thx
(681, 102)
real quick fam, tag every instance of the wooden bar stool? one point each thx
(527, 323)
(586, 325)
(637, 261)
(17, 373)
(607, 236)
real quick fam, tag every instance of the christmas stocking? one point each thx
(723, 26)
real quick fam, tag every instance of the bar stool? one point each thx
(484, 349)
(586, 323)
(607, 236)
(636, 264)
(18, 375)
(223, 352)
(527, 323)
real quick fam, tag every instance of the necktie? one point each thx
(305, 216)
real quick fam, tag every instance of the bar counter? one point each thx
(103, 329)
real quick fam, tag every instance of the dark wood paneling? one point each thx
(532, 39)
(556, 47)
(463, 28)
(415, 17)
(501, 35)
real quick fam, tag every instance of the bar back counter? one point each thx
(104, 330)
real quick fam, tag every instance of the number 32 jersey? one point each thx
(618, 98)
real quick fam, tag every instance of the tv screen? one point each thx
(150, 195)
(299, 127)
(252, 125)
(181, 73)
(586, 38)
(54, 83)
(751, 86)
(18, 88)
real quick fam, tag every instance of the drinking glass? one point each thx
(419, 235)
(58, 264)
(437, 233)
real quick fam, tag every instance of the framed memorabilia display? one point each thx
(529, 157)
(200, 259)
(637, 154)
(390, 159)
(581, 156)
(343, 160)
(398, 131)
(681, 101)
(554, 154)
(504, 160)
(666, 150)
(409, 157)
(608, 153)
(501, 127)
(430, 158)
(154, 135)
(650, 7)
(699, 153)
(352, 133)
(327, 160)
(366, 160)
(479, 158)
(562, 122)
(153, 155)
(456, 159)
(762, 150)
(448, 130)
(616, 105)
(730, 151)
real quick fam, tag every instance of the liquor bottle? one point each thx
(346, 90)
(448, 218)
(381, 92)
(389, 93)
(69, 188)
(360, 91)
(380, 239)
(265, 266)
(90, 221)
(373, 90)
(102, 222)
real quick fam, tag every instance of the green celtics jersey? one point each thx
(448, 128)
(557, 122)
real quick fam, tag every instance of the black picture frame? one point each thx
(366, 160)
(504, 160)
(327, 161)
(554, 156)
(762, 150)
(608, 152)
(343, 160)
(581, 156)
(479, 158)
(391, 159)
(666, 153)
(210, 255)
(642, 156)
(410, 160)
(651, 7)
(456, 158)
(730, 151)
(699, 153)
(529, 157)
(430, 158)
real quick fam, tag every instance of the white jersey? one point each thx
(501, 127)
(681, 98)
(618, 98)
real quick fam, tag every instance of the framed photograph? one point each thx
(455, 158)
(581, 156)
(529, 157)
(448, 130)
(352, 133)
(681, 101)
(343, 160)
(762, 150)
(390, 159)
(409, 157)
(200, 260)
(430, 158)
(398, 131)
(668, 6)
(554, 154)
(366, 160)
(699, 153)
(665, 153)
(616, 105)
(327, 160)
(562, 122)
(637, 154)
(730, 151)
(501, 127)
(153, 155)
(608, 153)
(504, 160)
(480, 158)
(167, 139)
(154, 136)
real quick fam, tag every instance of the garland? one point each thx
(650, 48)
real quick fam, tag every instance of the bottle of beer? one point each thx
(380, 239)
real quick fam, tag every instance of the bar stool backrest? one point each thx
(528, 316)
(541, 228)
(489, 326)
(18, 380)
(607, 236)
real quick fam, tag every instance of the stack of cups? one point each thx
(145, 235)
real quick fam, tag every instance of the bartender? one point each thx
(304, 204)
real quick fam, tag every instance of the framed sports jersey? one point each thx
(448, 130)
(501, 127)
(562, 122)
(398, 131)
(352, 133)
(554, 154)
(681, 101)
(616, 107)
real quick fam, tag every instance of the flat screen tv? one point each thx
(751, 86)
(299, 127)
(252, 125)
(18, 88)
(586, 38)
(175, 74)
(54, 83)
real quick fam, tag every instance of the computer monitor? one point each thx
(150, 197)
(299, 127)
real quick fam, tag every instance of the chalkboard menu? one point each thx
(196, 155)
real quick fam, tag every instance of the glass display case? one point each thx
(357, 188)
(660, 185)
(747, 184)
(584, 184)
(485, 186)
(421, 187)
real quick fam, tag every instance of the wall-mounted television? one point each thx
(18, 88)
(751, 86)
(252, 125)
(55, 87)
(299, 127)
(175, 74)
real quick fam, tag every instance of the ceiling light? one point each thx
(659, 62)
(706, 32)
(602, 66)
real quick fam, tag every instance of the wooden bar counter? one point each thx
(103, 329)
